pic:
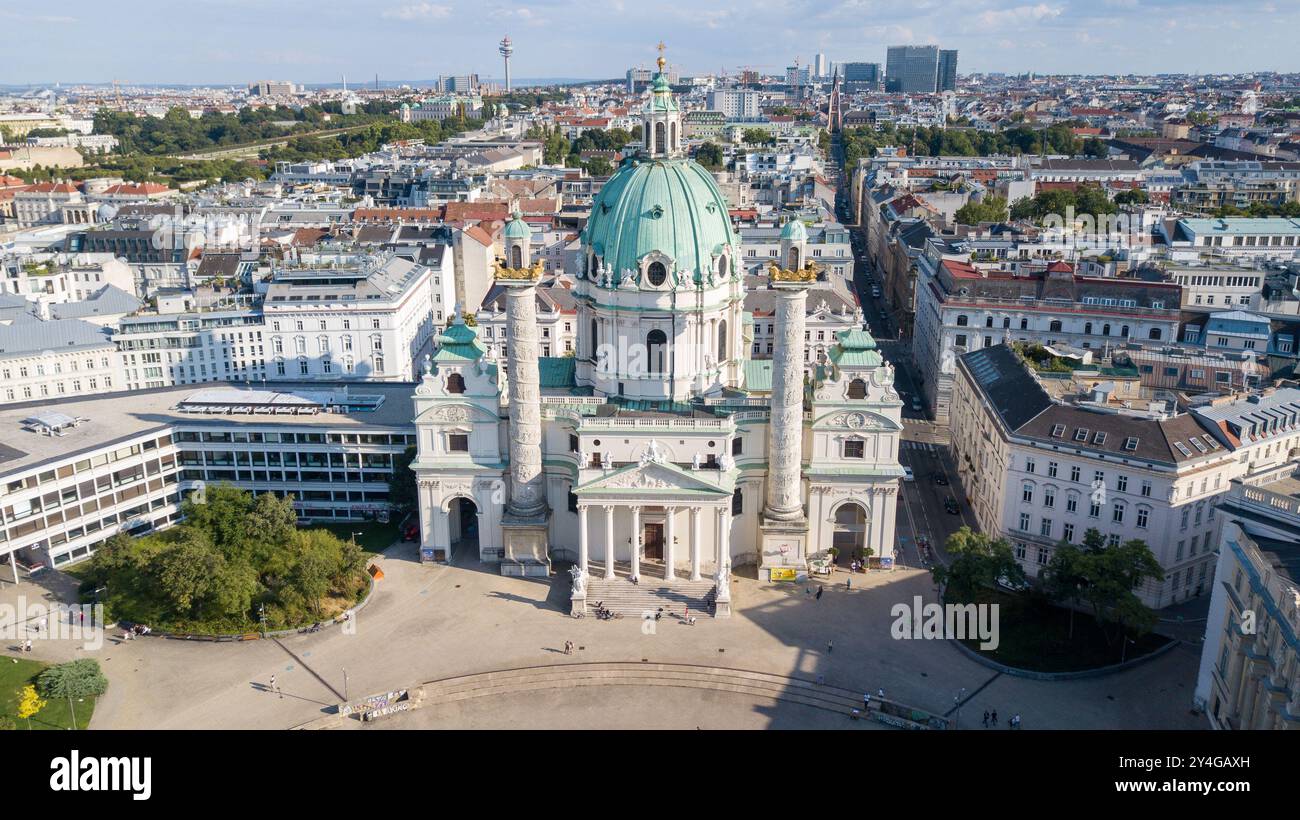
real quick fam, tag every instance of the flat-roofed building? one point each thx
(75, 472)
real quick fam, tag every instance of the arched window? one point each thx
(857, 389)
(737, 502)
(595, 338)
(1105, 330)
(722, 340)
(1154, 335)
(962, 321)
(1087, 328)
(455, 383)
(656, 273)
(655, 342)
(794, 259)
(722, 267)
(517, 256)
(1054, 326)
(673, 142)
(660, 143)
(1123, 331)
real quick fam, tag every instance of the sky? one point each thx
(313, 41)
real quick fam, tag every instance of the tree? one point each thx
(1112, 574)
(76, 679)
(993, 209)
(1093, 147)
(401, 487)
(757, 136)
(29, 704)
(187, 573)
(710, 156)
(1133, 196)
(978, 561)
(1064, 577)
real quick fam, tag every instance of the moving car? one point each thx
(940, 478)
(950, 506)
(908, 474)
(1014, 586)
(916, 403)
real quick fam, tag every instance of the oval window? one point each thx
(657, 273)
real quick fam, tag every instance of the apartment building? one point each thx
(1233, 238)
(161, 350)
(372, 319)
(828, 247)
(961, 307)
(557, 321)
(77, 471)
(41, 360)
(1040, 471)
(1249, 676)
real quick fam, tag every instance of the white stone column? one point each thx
(582, 538)
(636, 541)
(13, 566)
(697, 539)
(785, 430)
(609, 541)
(527, 488)
(670, 532)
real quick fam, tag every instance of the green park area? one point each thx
(34, 695)
(1082, 613)
(237, 563)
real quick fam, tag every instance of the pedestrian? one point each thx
(686, 614)
(819, 592)
(848, 584)
(568, 647)
(986, 718)
(27, 647)
(993, 717)
(866, 701)
(1015, 721)
(275, 688)
(880, 693)
(830, 646)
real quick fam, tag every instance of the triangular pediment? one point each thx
(653, 479)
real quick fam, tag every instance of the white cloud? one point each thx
(418, 11)
(1018, 15)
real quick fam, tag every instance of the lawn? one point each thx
(1035, 634)
(15, 673)
(372, 536)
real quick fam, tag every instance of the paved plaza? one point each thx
(429, 622)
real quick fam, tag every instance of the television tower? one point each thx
(506, 49)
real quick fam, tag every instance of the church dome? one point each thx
(517, 228)
(669, 206)
(795, 231)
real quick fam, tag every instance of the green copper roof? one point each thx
(661, 98)
(458, 343)
(856, 339)
(517, 228)
(795, 230)
(556, 371)
(668, 205)
(758, 375)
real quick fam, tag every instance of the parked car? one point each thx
(1013, 586)
(916, 403)
(410, 527)
(950, 506)
(907, 474)
(940, 478)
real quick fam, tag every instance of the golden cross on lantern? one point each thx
(662, 62)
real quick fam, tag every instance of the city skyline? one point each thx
(415, 41)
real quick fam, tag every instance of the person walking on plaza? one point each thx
(274, 688)
(830, 646)
(1015, 721)
(568, 647)
(848, 584)
(986, 718)
(993, 718)
(819, 592)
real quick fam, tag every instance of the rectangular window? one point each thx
(854, 449)
(458, 443)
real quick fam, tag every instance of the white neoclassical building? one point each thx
(659, 450)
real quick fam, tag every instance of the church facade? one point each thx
(659, 449)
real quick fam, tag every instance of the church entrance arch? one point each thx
(462, 523)
(850, 534)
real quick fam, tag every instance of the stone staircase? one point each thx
(758, 685)
(631, 600)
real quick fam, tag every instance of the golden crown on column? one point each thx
(527, 274)
(808, 273)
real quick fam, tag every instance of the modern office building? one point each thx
(912, 69)
(861, 76)
(735, 103)
(947, 74)
(75, 472)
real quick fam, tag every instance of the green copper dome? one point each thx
(794, 230)
(517, 228)
(672, 206)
